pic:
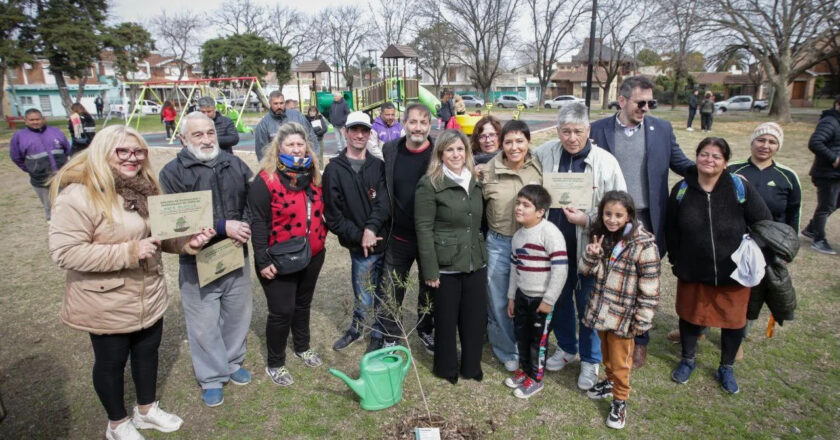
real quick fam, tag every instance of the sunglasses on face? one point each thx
(649, 104)
(125, 153)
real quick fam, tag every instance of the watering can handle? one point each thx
(387, 350)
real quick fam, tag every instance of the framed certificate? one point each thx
(218, 260)
(179, 215)
(569, 190)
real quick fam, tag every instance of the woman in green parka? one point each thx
(448, 208)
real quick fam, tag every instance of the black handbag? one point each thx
(292, 255)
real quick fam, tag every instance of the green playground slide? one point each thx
(234, 115)
(428, 99)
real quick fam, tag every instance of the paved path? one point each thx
(246, 140)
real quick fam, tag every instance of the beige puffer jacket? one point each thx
(108, 289)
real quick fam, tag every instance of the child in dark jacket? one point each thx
(625, 261)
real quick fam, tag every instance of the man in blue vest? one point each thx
(646, 149)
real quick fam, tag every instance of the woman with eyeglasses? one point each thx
(506, 174)
(707, 215)
(115, 287)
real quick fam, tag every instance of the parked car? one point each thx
(740, 102)
(253, 101)
(613, 105)
(511, 101)
(472, 101)
(146, 107)
(562, 100)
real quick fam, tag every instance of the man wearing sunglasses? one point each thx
(646, 149)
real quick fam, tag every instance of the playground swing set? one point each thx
(197, 88)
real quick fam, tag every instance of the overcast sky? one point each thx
(143, 10)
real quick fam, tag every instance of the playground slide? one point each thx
(240, 126)
(428, 99)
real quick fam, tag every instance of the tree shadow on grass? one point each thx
(35, 398)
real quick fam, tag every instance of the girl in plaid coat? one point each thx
(625, 261)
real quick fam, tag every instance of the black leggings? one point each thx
(460, 308)
(730, 341)
(110, 354)
(289, 299)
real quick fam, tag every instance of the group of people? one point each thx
(494, 258)
(706, 107)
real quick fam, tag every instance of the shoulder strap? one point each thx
(740, 191)
(681, 191)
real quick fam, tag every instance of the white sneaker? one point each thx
(512, 365)
(156, 418)
(588, 375)
(689, 129)
(559, 360)
(123, 431)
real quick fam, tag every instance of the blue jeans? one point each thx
(574, 298)
(366, 276)
(499, 325)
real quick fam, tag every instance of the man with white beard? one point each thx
(217, 315)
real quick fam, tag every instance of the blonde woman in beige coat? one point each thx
(115, 286)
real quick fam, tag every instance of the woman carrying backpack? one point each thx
(708, 214)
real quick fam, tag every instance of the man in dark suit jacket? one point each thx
(646, 149)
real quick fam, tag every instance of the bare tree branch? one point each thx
(239, 17)
(178, 36)
(391, 20)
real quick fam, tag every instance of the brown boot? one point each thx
(674, 335)
(639, 356)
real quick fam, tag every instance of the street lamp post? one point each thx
(591, 54)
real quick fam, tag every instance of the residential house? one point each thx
(570, 77)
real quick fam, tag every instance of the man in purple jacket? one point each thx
(39, 150)
(386, 126)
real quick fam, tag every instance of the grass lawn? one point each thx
(790, 384)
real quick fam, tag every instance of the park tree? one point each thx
(679, 27)
(346, 29)
(392, 21)
(130, 43)
(290, 29)
(178, 36)
(785, 37)
(67, 33)
(241, 17)
(648, 57)
(552, 23)
(245, 55)
(14, 50)
(484, 30)
(618, 22)
(435, 45)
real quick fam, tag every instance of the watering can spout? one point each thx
(357, 385)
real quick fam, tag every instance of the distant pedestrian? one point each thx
(338, 117)
(99, 106)
(825, 173)
(692, 109)
(707, 110)
(167, 115)
(39, 150)
(81, 126)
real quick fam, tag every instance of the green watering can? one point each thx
(382, 374)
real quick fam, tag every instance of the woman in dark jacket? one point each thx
(486, 140)
(708, 214)
(448, 208)
(707, 110)
(319, 126)
(82, 128)
(289, 180)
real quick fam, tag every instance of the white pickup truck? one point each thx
(147, 107)
(740, 102)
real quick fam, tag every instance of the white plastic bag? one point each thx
(750, 263)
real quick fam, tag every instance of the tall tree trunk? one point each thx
(61, 82)
(81, 92)
(605, 97)
(676, 87)
(780, 108)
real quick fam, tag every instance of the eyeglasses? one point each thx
(125, 153)
(715, 157)
(649, 104)
(488, 136)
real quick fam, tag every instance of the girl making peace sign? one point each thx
(625, 261)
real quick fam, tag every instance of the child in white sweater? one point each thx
(538, 269)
